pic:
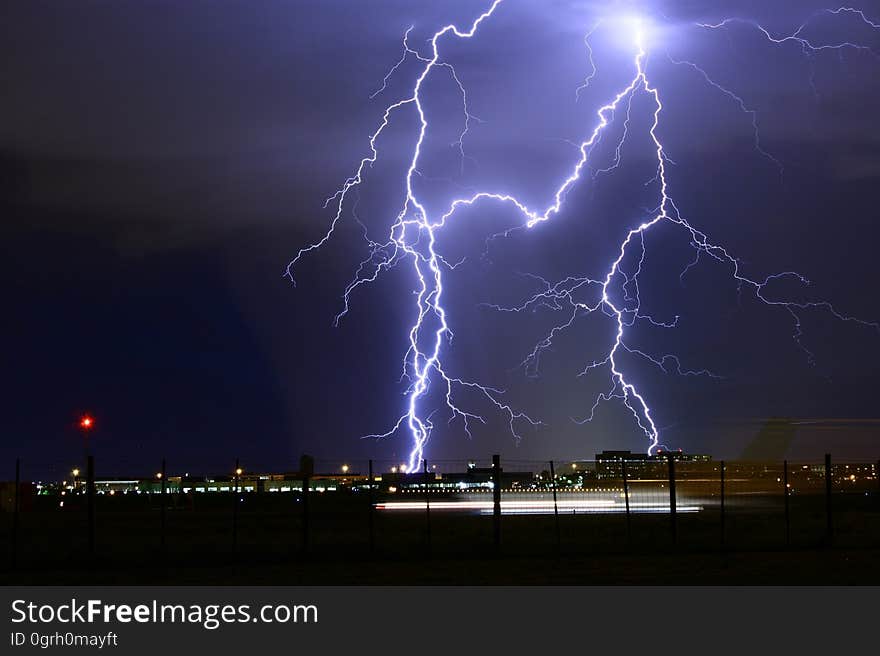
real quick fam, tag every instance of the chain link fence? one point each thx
(58, 515)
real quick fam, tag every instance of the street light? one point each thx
(344, 469)
(86, 424)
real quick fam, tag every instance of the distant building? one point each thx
(474, 479)
(609, 464)
(681, 456)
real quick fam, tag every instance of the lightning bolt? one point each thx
(797, 37)
(614, 295)
(808, 47)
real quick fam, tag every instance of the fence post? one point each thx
(163, 498)
(90, 502)
(496, 501)
(306, 465)
(787, 513)
(555, 507)
(722, 502)
(877, 478)
(372, 510)
(626, 500)
(305, 516)
(672, 508)
(16, 508)
(235, 508)
(427, 506)
(829, 527)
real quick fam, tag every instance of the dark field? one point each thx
(208, 541)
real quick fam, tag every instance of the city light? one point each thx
(344, 469)
(239, 471)
(86, 423)
(75, 472)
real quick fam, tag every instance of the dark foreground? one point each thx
(271, 540)
(799, 567)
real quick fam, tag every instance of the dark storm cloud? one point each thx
(170, 106)
(198, 112)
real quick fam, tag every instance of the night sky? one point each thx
(161, 162)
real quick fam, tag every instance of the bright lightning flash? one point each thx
(412, 238)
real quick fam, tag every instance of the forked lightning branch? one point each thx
(411, 238)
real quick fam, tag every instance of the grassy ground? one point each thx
(590, 549)
(813, 567)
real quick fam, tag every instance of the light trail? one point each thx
(541, 507)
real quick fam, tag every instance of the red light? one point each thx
(86, 422)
